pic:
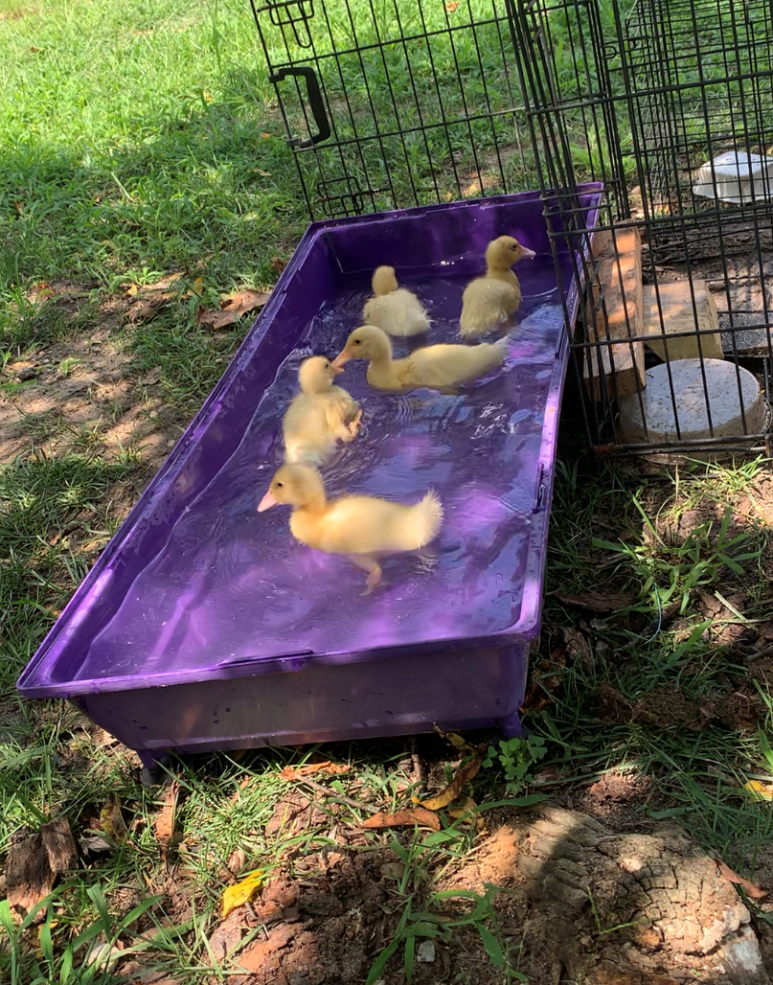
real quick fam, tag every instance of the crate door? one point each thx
(390, 104)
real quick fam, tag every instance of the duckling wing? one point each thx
(340, 410)
(446, 365)
(399, 313)
(366, 525)
(487, 303)
(308, 438)
(345, 404)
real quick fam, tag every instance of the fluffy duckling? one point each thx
(432, 366)
(488, 301)
(319, 415)
(394, 309)
(358, 526)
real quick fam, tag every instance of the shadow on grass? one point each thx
(213, 189)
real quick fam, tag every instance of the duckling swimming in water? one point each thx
(320, 414)
(488, 301)
(432, 366)
(359, 526)
(394, 309)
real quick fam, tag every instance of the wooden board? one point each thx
(678, 315)
(614, 311)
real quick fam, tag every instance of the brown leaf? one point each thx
(463, 747)
(232, 308)
(755, 892)
(296, 772)
(168, 287)
(452, 5)
(151, 378)
(599, 602)
(151, 297)
(144, 310)
(236, 862)
(34, 863)
(414, 815)
(543, 681)
(164, 825)
(448, 794)
(278, 264)
(112, 822)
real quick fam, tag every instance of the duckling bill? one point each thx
(360, 527)
(488, 301)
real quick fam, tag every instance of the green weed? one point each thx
(516, 758)
(425, 916)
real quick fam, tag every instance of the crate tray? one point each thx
(204, 626)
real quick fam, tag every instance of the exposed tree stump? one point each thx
(640, 909)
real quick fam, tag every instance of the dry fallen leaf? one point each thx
(754, 892)
(96, 843)
(148, 298)
(164, 825)
(265, 174)
(152, 377)
(112, 822)
(296, 772)
(33, 864)
(452, 5)
(599, 602)
(240, 892)
(232, 308)
(168, 287)
(466, 807)
(278, 264)
(454, 788)
(414, 815)
(761, 791)
(543, 680)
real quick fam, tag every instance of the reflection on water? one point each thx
(231, 584)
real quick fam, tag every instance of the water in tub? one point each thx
(231, 584)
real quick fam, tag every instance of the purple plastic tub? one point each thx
(204, 626)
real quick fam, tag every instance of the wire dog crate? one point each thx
(672, 107)
(391, 104)
(668, 102)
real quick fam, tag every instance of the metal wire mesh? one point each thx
(646, 103)
(390, 104)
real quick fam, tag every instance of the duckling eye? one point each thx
(280, 485)
(358, 341)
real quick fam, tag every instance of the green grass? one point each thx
(137, 139)
(620, 533)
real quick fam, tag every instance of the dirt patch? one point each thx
(82, 395)
(19, 13)
(578, 901)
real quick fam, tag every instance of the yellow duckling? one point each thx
(433, 366)
(488, 301)
(394, 309)
(319, 415)
(358, 526)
